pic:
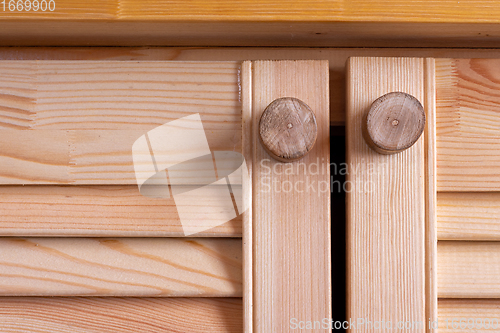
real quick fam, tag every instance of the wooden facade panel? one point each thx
(290, 227)
(468, 124)
(386, 206)
(95, 211)
(469, 315)
(468, 216)
(468, 269)
(120, 314)
(120, 267)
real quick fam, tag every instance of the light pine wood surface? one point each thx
(467, 139)
(85, 157)
(386, 214)
(247, 151)
(112, 94)
(120, 314)
(337, 58)
(468, 133)
(430, 152)
(468, 269)
(469, 216)
(120, 267)
(290, 228)
(112, 211)
(482, 312)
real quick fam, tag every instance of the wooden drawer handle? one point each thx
(394, 123)
(288, 129)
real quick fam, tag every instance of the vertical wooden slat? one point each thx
(247, 149)
(291, 220)
(385, 205)
(431, 306)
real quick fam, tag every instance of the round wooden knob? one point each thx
(288, 129)
(394, 123)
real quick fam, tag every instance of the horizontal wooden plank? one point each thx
(104, 107)
(104, 95)
(467, 97)
(468, 216)
(118, 314)
(468, 269)
(157, 32)
(468, 163)
(455, 315)
(111, 211)
(468, 124)
(120, 267)
(83, 156)
(246, 10)
(216, 23)
(336, 57)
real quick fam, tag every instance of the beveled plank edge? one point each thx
(431, 306)
(246, 76)
(306, 33)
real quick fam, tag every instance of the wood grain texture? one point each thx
(468, 163)
(477, 309)
(291, 226)
(83, 157)
(468, 269)
(468, 124)
(430, 152)
(119, 314)
(219, 23)
(246, 10)
(386, 218)
(336, 57)
(247, 151)
(121, 95)
(120, 267)
(394, 123)
(468, 148)
(469, 216)
(288, 129)
(110, 211)
(87, 115)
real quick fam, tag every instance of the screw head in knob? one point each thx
(394, 123)
(288, 129)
